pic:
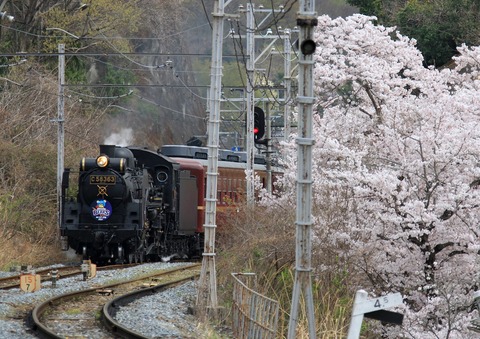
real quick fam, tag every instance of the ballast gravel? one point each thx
(163, 315)
(161, 321)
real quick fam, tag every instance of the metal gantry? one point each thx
(207, 291)
(306, 20)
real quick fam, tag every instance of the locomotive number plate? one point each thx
(103, 179)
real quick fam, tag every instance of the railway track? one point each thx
(78, 314)
(63, 272)
(14, 280)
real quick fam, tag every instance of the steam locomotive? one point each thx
(132, 204)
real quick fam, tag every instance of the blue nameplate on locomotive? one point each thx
(101, 210)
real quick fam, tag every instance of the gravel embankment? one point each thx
(158, 311)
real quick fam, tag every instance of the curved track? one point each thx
(111, 307)
(96, 298)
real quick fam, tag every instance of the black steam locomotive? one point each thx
(133, 205)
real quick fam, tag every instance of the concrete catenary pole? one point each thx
(306, 21)
(61, 130)
(207, 291)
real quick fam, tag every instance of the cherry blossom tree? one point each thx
(396, 172)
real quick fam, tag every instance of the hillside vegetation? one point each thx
(29, 102)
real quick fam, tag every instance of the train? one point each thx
(132, 204)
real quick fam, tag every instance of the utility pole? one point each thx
(250, 36)
(268, 152)
(287, 49)
(207, 291)
(61, 131)
(306, 21)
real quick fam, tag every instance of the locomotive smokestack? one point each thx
(108, 150)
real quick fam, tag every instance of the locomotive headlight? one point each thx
(102, 161)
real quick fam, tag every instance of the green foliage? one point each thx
(75, 71)
(435, 38)
(438, 26)
(231, 76)
(90, 27)
(116, 75)
(368, 7)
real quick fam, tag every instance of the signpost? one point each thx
(30, 282)
(373, 309)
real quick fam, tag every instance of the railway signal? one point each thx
(258, 124)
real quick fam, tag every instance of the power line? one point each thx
(44, 36)
(206, 14)
(166, 86)
(167, 108)
(106, 54)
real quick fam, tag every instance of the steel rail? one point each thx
(110, 308)
(4, 285)
(44, 332)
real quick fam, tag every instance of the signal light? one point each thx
(258, 124)
(308, 47)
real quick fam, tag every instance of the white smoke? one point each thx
(122, 138)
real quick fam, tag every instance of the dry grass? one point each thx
(28, 164)
(263, 241)
(18, 250)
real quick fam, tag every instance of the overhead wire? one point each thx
(103, 37)
(255, 29)
(206, 14)
(125, 56)
(274, 22)
(167, 108)
(240, 57)
(153, 67)
(186, 86)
